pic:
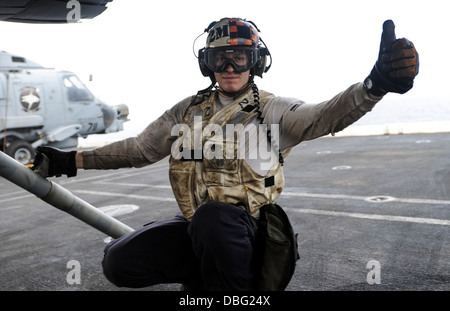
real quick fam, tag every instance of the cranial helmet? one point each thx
(235, 42)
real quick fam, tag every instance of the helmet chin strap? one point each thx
(239, 92)
(209, 89)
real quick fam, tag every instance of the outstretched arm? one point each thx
(394, 71)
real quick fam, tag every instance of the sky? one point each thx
(141, 53)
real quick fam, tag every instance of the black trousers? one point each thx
(215, 250)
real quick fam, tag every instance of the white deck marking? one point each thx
(124, 195)
(419, 220)
(307, 211)
(134, 185)
(358, 197)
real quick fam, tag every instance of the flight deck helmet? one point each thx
(235, 42)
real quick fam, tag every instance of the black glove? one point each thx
(60, 162)
(396, 67)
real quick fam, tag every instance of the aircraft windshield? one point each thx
(76, 90)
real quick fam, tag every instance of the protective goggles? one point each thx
(240, 58)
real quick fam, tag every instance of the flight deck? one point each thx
(372, 213)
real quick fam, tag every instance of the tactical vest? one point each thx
(206, 167)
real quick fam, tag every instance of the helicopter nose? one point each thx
(113, 117)
(122, 112)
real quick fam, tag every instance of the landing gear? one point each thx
(21, 151)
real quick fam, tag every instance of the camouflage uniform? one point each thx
(197, 182)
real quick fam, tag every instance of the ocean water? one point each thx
(408, 111)
(399, 116)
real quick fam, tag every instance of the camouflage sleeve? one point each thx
(150, 146)
(299, 121)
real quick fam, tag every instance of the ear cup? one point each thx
(261, 66)
(202, 64)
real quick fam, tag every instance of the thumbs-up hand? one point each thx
(396, 67)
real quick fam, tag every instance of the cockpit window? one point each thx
(17, 59)
(76, 90)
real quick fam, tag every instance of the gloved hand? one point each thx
(396, 67)
(60, 162)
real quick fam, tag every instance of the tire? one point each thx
(21, 151)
